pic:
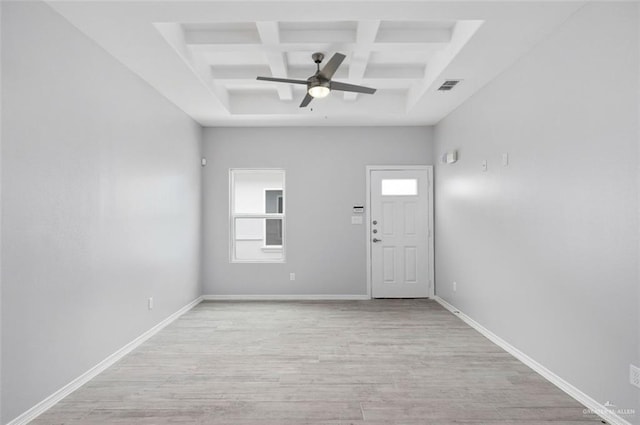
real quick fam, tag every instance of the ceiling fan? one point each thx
(319, 84)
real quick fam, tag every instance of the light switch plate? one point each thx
(356, 219)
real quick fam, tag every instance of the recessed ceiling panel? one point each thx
(302, 58)
(395, 71)
(235, 72)
(414, 32)
(400, 57)
(318, 32)
(205, 55)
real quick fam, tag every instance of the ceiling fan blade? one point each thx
(351, 87)
(282, 80)
(332, 66)
(307, 99)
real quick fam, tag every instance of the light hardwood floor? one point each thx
(404, 362)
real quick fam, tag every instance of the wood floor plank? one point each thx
(402, 362)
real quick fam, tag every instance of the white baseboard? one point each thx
(319, 297)
(591, 404)
(63, 392)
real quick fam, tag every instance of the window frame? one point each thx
(233, 216)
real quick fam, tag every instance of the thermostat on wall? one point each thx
(358, 209)
(450, 157)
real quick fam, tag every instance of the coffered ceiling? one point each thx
(205, 56)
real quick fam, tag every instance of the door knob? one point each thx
(377, 240)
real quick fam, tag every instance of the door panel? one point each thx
(389, 264)
(399, 233)
(410, 264)
(388, 210)
(410, 218)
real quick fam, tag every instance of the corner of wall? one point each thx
(1, 5)
(430, 130)
(638, 166)
(201, 210)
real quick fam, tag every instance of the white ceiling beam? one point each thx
(265, 104)
(365, 38)
(270, 35)
(221, 37)
(224, 77)
(246, 73)
(298, 36)
(304, 47)
(304, 72)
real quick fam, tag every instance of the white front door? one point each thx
(399, 234)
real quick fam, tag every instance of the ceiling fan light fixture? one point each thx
(318, 91)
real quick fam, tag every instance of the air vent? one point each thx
(448, 85)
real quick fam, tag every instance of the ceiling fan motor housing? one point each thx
(317, 80)
(317, 57)
(317, 86)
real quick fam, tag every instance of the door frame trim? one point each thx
(430, 244)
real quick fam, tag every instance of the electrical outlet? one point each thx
(634, 375)
(150, 303)
(455, 286)
(292, 276)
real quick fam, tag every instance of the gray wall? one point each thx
(545, 251)
(325, 178)
(1, 7)
(638, 159)
(100, 205)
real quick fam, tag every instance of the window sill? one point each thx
(272, 248)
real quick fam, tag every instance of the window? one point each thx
(399, 187)
(273, 227)
(257, 215)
